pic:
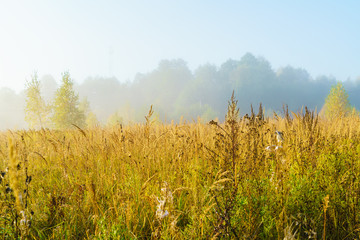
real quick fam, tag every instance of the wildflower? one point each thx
(270, 148)
(23, 219)
(278, 147)
(273, 148)
(279, 136)
(161, 202)
(166, 213)
(24, 222)
(160, 213)
(165, 199)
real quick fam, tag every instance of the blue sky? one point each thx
(122, 38)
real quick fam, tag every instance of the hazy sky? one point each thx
(121, 38)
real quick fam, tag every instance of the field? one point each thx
(191, 180)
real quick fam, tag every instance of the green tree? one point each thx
(66, 106)
(337, 103)
(36, 110)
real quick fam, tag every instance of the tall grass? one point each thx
(191, 180)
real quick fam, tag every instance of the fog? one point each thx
(174, 91)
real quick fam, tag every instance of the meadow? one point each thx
(190, 180)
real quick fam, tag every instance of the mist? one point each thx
(175, 91)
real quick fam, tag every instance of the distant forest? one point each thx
(174, 91)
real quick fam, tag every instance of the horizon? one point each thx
(58, 77)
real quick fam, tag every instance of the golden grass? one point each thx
(213, 180)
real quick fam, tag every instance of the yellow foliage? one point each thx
(108, 183)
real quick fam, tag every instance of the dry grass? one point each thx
(185, 181)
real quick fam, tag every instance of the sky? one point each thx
(122, 38)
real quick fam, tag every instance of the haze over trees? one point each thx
(174, 91)
(12, 113)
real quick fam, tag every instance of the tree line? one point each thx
(175, 91)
